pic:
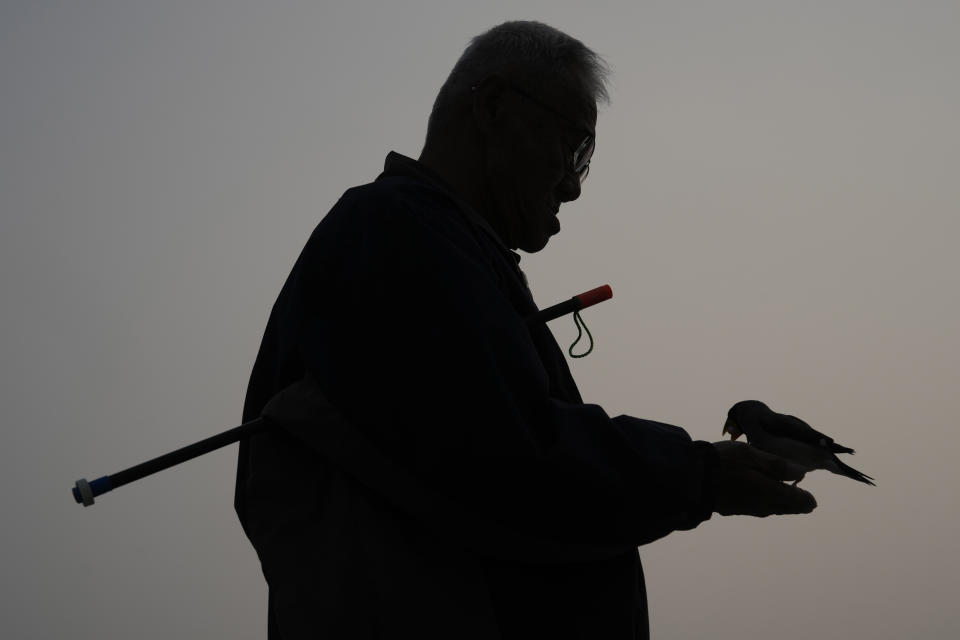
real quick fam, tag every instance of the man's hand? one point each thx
(750, 482)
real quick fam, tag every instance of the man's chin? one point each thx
(532, 245)
(535, 240)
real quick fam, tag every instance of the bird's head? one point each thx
(741, 418)
(731, 427)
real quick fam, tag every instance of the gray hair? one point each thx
(531, 54)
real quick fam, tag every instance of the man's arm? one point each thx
(423, 352)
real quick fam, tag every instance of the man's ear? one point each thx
(489, 96)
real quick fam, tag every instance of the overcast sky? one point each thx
(774, 200)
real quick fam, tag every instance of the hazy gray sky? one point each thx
(774, 200)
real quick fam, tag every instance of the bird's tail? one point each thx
(850, 472)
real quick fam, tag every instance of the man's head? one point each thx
(513, 127)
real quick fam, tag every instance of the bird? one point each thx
(788, 437)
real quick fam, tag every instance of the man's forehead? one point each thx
(580, 109)
(589, 119)
(585, 120)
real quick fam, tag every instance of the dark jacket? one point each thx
(409, 313)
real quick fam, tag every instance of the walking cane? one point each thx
(84, 492)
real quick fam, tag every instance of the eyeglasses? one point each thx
(580, 160)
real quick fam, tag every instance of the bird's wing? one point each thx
(786, 426)
(850, 472)
(839, 448)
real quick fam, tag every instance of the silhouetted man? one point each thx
(406, 311)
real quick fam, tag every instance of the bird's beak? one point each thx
(731, 427)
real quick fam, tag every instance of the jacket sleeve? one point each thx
(400, 318)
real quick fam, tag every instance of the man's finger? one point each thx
(799, 500)
(785, 470)
(772, 465)
(773, 497)
(787, 499)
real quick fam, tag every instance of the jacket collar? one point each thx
(400, 165)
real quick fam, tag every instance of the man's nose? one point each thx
(569, 188)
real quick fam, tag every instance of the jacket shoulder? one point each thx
(392, 212)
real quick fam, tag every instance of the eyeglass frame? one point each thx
(585, 149)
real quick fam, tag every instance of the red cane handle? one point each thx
(594, 296)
